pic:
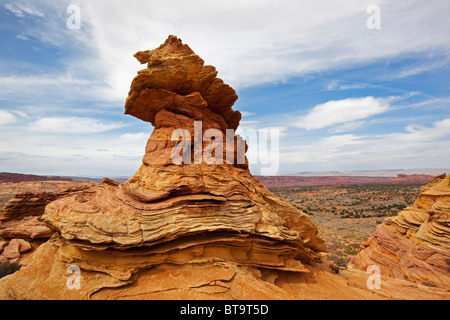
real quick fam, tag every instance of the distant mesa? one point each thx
(18, 177)
(299, 181)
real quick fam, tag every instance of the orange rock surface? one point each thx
(20, 216)
(205, 225)
(415, 244)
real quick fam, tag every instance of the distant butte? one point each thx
(298, 181)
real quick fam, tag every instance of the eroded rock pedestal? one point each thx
(415, 244)
(197, 230)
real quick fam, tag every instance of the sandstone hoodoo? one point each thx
(192, 229)
(415, 244)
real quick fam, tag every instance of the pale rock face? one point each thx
(415, 244)
(15, 247)
(172, 226)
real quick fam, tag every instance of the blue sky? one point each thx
(343, 96)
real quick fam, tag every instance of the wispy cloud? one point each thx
(65, 86)
(247, 114)
(77, 125)
(255, 48)
(345, 85)
(6, 117)
(348, 126)
(420, 133)
(414, 147)
(20, 10)
(429, 64)
(100, 153)
(342, 111)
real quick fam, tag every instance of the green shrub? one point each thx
(8, 268)
(351, 250)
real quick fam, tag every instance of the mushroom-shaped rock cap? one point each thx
(175, 68)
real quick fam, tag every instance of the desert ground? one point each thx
(347, 215)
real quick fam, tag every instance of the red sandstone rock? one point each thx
(20, 218)
(12, 250)
(2, 245)
(415, 244)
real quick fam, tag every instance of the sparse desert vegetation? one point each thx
(8, 268)
(347, 215)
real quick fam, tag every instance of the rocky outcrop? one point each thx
(19, 177)
(194, 224)
(9, 190)
(415, 244)
(15, 247)
(20, 217)
(28, 227)
(27, 204)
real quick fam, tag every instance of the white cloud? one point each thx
(348, 126)
(62, 86)
(6, 117)
(342, 111)
(415, 147)
(247, 41)
(109, 153)
(255, 47)
(338, 85)
(416, 133)
(130, 137)
(20, 9)
(247, 114)
(22, 37)
(78, 125)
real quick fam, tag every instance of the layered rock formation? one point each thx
(415, 244)
(20, 216)
(195, 224)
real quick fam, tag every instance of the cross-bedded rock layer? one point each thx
(194, 221)
(415, 244)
